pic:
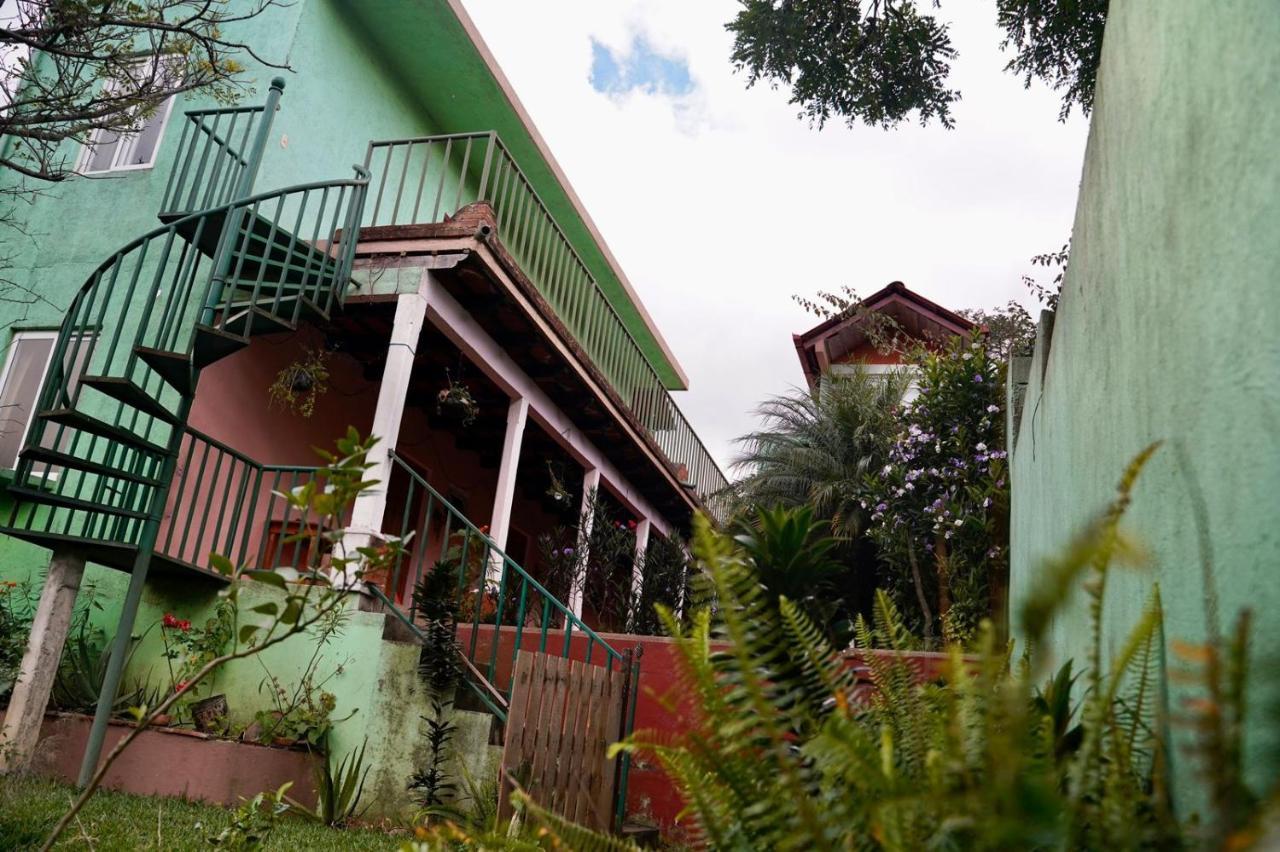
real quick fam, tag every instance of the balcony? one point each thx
(428, 180)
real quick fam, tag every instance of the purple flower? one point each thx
(992, 409)
(568, 551)
(882, 507)
(977, 377)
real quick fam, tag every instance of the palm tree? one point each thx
(816, 448)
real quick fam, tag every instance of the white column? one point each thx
(637, 568)
(504, 494)
(586, 520)
(369, 507)
(39, 666)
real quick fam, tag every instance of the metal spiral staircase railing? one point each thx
(99, 459)
(111, 415)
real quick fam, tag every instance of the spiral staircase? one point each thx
(226, 264)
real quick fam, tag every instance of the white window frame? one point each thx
(125, 145)
(44, 374)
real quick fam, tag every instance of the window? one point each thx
(107, 151)
(20, 380)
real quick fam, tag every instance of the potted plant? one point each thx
(301, 383)
(455, 399)
(210, 714)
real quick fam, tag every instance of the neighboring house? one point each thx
(845, 343)
(1173, 241)
(135, 389)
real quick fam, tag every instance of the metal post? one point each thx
(155, 512)
(129, 612)
(244, 188)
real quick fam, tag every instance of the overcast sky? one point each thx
(720, 203)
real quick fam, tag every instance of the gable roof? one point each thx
(928, 317)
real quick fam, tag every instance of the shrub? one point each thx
(940, 504)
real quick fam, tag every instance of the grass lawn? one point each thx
(117, 821)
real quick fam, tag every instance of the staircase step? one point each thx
(284, 305)
(44, 455)
(173, 367)
(255, 320)
(126, 391)
(214, 344)
(84, 423)
(48, 498)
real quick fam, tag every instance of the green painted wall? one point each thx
(379, 695)
(1167, 331)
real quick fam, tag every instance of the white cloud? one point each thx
(720, 203)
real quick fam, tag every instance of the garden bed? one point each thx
(176, 762)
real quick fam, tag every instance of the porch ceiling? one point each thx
(480, 284)
(362, 332)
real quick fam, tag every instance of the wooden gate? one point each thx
(564, 714)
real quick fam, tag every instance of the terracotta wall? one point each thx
(661, 706)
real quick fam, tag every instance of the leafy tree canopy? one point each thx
(878, 62)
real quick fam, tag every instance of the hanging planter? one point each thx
(299, 385)
(557, 491)
(455, 399)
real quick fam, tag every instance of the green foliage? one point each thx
(793, 557)
(301, 383)
(602, 572)
(816, 448)
(789, 756)
(433, 784)
(1008, 330)
(1048, 295)
(16, 611)
(879, 62)
(1058, 42)
(875, 62)
(338, 790)
(435, 602)
(253, 822)
(303, 712)
(940, 505)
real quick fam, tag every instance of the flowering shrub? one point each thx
(938, 507)
(187, 649)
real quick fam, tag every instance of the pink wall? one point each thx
(232, 406)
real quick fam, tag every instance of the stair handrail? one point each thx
(496, 575)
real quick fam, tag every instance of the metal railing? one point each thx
(501, 608)
(424, 179)
(493, 594)
(221, 501)
(213, 153)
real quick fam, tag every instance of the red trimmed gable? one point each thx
(840, 340)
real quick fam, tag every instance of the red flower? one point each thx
(170, 621)
(180, 685)
(184, 625)
(631, 525)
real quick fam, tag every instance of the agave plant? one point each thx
(338, 790)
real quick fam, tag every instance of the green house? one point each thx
(378, 238)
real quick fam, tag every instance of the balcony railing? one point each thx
(224, 502)
(420, 181)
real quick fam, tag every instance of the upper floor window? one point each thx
(20, 381)
(108, 151)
